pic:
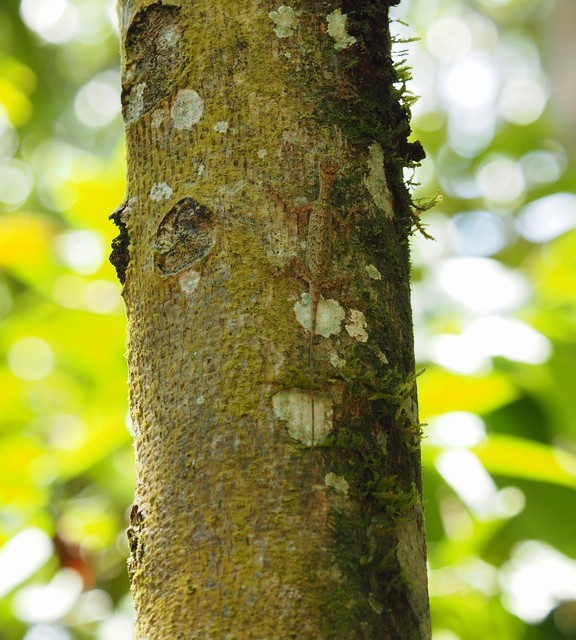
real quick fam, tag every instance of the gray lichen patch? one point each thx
(337, 29)
(160, 191)
(337, 482)
(335, 360)
(189, 281)
(356, 325)
(376, 182)
(295, 407)
(373, 272)
(157, 118)
(284, 19)
(187, 109)
(134, 106)
(329, 315)
(221, 126)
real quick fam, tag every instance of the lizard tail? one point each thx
(311, 369)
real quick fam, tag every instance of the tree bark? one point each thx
(272, 380)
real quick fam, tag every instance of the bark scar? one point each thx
(184, 236)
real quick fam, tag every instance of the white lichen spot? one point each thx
(284, 20)
(329, 315)
(221, 126)
(337, 482)
(160, 191)
(262, 153)
(168, 38)
(157, 118)
(373, 272)
(337, 29)
(128, 75)
(356, 325)
(376, 182)
(200, 400)
(187, 109)
(335, 360)
(294, 406)
(189, 281)
(382, 357)
(201, 168)
(135, 104)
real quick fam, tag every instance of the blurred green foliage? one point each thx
(65, 450)
(495, 316)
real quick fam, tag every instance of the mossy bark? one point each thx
(248, 522)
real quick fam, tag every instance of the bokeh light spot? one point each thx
(456, 429)
(508, 338)
(22, 556)
(522, 101)
(47, 632)
(482, 284)
(98, 102)
(536, 580)
(49, 602)
(82, 251)
(462, 470)
(56, 21)
(547, 218)
(15, 184)
(478, 233)
(30, 358)
(542, 167)
(501, 180)
(470, 83)
(448, 38)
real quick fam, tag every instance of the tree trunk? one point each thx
(264, 254)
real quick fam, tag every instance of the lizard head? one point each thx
(328, 172)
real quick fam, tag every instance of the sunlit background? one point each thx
(494, 304)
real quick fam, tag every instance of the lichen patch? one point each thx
(329, 315)
(189, 281)
(335, 360)
(187, 109)
(135, 104)
(356, 325)
(295, 406)
(337, 482)
(168, 38)
(373, 272)
(160, 191)
(382, 357)
(376, 182)
(284, 19)
(221, 126)
(337, 29)
(157, 118)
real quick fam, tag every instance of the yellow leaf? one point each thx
(440, 391)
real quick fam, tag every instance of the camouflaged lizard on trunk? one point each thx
(315, 268)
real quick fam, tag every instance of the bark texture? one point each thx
(275, 498)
